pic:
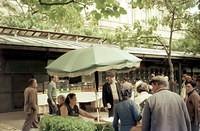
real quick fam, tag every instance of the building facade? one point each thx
(25, 54)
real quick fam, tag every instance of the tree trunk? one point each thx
(171, 75)
(171, 68)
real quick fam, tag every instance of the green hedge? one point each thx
(57, 123)
(104, 127)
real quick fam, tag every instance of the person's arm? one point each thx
(186, 115)
(104, 96)
(64, 111)
(115, 120)
(86, 114)
(33, 99)
(119, 90)
(49, 92)
(146, 118)
(183, 93)
(196, 103)
(136, 113)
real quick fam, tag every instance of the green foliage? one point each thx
(107, 8)
(62, 17)
(174, 16)
(56, 18)
(191, 42)
(136, 35)
(104, 127)
(57, 123)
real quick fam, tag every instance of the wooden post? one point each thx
(180, 76)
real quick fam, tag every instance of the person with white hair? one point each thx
(143, 95)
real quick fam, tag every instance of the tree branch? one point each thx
(55, 3)
(187, 30)
(168, 4)
(84, 5)
(182, 30)
(21, 6)
(179, 18)
(171, 30)
(163, 44)
(160, 41)
(34, 12)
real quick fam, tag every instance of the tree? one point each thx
(62, 15)
(133, 36)
(174, 17)
(191, 42)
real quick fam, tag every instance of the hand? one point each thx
(96, 118)
(106, 109)
(54, 103)
(108, 105)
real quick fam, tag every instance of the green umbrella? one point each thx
(86, 61)
(90, 60)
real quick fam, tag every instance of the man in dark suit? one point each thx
(111, 93)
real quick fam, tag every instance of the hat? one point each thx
(160, 79)
(138, 83)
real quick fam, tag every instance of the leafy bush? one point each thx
(104, 127)
(57, 123)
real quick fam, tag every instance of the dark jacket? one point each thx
(107, 95)
(193, 106)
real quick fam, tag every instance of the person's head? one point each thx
(159, 82)
(54, 78)
(188, 78)
(125, 79)
(110, 77)
(32, 83)
(126, 94)
(71, 99)
(138, 83)
(190, 86)
(61, 99)
(152, 75)
(142, 87)
(184, 77)
(194, 77)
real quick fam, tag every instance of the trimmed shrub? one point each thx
(104, 126)
(57, 123)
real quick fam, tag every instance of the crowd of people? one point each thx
(155, 107)
(64, 106)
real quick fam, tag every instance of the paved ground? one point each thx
(13, 121)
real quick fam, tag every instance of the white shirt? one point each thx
(141, 97)
(114, 91)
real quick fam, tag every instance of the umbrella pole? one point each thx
(96, 92)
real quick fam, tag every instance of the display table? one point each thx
(82, 97)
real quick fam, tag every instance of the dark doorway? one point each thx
(19, 82)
